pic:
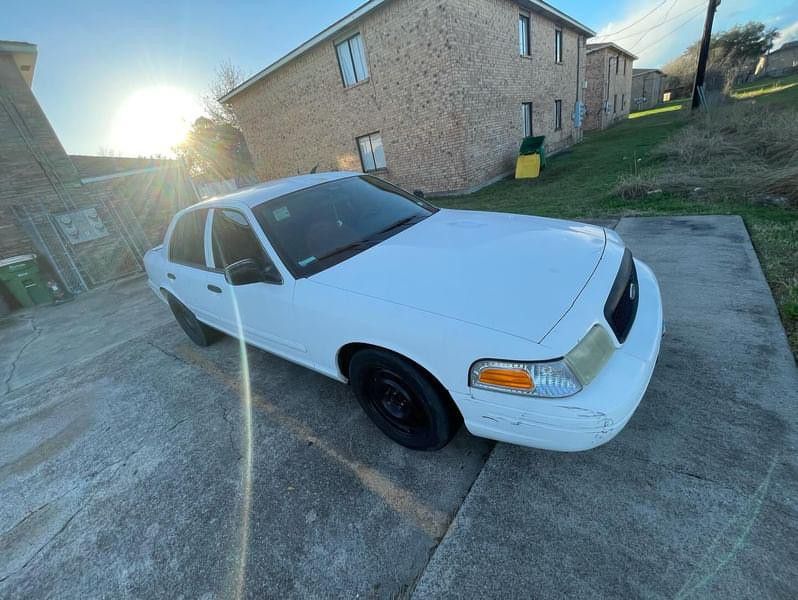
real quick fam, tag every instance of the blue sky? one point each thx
(95, 54)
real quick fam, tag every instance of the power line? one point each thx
(643, 18)
(661, 23)
(664, 20)
(664, 37)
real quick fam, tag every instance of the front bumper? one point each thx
(593, 416)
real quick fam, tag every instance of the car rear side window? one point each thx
(233, 239)
(187, 245)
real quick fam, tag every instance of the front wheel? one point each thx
(403, 400)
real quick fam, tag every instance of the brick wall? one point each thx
(40, 179)
(445, 89)
(494, 80)
(601, 69)
(31, 157)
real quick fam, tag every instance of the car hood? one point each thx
(511, 273)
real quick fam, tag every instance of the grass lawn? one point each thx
(580, 185)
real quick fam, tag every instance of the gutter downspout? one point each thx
(578, 106)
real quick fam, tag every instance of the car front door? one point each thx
(262, 313)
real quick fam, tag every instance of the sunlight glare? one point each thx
(153, 120)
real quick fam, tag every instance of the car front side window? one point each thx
(233, 240)
(187, 244)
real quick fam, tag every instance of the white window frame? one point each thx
(371, 160)
(558, 46)
(526, 119)
(524, 35)
(352, 50)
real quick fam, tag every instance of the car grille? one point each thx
(621, 307)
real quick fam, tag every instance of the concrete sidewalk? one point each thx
(697, 497)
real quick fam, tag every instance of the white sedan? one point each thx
(532, 331)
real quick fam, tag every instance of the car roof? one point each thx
(258, 194)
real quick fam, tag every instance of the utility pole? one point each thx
(703, 53)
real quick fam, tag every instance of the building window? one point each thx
(617, 64)
(623, 101)
(615, 103)
(557, 115)
(624, 65)
(372, 154)
(526, 118)
(523, 35)
(352, 60)
(557, 45)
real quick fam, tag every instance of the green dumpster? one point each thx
(21, 276)
(534, 145)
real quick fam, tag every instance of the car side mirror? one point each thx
(249, 270)
(418, 194)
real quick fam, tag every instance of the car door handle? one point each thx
(215, 289)
(171, 276)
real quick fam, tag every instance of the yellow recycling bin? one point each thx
(527, 166)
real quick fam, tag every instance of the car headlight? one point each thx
(550, 379)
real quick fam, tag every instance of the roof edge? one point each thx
(603, 45)
(362, 11)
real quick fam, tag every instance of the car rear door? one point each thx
(187, 268)
(261, 312)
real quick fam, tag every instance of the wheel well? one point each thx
(346, 353)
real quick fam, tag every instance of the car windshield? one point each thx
(321, 226)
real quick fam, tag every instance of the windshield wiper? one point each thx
(367, 242)
(398, 224)
(345, 248)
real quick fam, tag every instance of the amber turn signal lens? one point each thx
(509, 378)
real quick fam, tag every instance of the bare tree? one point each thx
(215, 147)
(226, 77)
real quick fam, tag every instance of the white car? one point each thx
(533, 331)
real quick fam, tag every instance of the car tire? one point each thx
(198, 332)
(403, 400)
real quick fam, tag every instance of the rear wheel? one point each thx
(198, 332)
(403, 400)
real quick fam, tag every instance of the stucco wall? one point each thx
(445, 88)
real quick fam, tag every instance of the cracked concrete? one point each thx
(697, 497)
(124, 475)
(123, 469)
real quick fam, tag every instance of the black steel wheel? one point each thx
(403, 400)
(198, 332)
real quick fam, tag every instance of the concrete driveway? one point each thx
(132, 464)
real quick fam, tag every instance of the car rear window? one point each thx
(187, 245)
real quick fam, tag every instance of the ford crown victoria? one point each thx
(533, 331)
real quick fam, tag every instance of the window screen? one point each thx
(558, 46)
(372, 154)
(526, 118)
(352, 60)
(187, 244)
(558, 114)
(523, 35)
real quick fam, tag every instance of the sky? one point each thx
(125, 77)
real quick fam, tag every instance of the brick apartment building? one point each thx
(431, 94)
(89, 219)
(648, 87)
(608, 97)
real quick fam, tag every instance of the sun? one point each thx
(153, 120)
